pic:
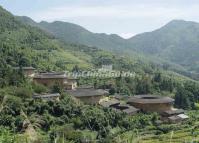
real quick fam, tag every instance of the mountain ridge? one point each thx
(176, 42)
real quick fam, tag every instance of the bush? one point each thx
(39, 88)
(23, 92)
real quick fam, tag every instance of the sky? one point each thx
(123, 17)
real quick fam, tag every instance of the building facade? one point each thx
(88, 95)
(51, 79)
(151, 103)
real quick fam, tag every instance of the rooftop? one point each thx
(46, 95)
(110, 103)
(126, 109)
(24, 68)
(85, 92)
(149, 99)
(50, 75)
(130, 110)
(46, 75)
(173, 112)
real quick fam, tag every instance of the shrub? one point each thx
(39, 88)
(23, 92)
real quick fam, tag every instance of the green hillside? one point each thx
(24, 119)
(72, 33)
(178, 42)
(175, 44)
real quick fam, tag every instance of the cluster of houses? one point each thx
(129, 105)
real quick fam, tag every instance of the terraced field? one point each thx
(185, 132)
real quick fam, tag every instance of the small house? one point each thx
(130, 110)
(151, 103)
(173, 116)
(88, 95)
(52, 78)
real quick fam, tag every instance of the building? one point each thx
(52, 78)
(173, 116)
(117, 106)
(54, 96)
(88, 95)
(151, 103)
(28, 71)
(130, 110)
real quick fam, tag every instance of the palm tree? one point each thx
(30, 124)
(2, 105)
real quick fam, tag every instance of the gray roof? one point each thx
(130, 110)
(149, 99)
(121, 97)
(50, 75)
(24, 68)
(46, 95)
(126, 109)
(173, 112)
(86, 92)
(110, 103)
(174, 118)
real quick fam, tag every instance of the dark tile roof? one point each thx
(173, 112)
(109, 103)
(149, 99)
(24, 68)
(46, 95)
(87, 92)
(126, 109)
(130, 110)
(50, 75)
(121, 97)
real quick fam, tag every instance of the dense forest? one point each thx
(23, 119)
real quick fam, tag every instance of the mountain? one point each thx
(28, 45)
(177, 42)
(72, 33)
(21, 44)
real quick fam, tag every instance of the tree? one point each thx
(184, 99)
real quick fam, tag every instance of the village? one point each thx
(130, 105)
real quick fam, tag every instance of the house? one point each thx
(53, 96)
(51, 78)
(173, 116)
(117, 106)
(130, 110)
(177, 118)
(28, 71)
(151, 103)
(88, 95)
(172, 112)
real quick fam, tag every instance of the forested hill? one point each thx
(72, 33)
(176, 42)
(25, 45)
